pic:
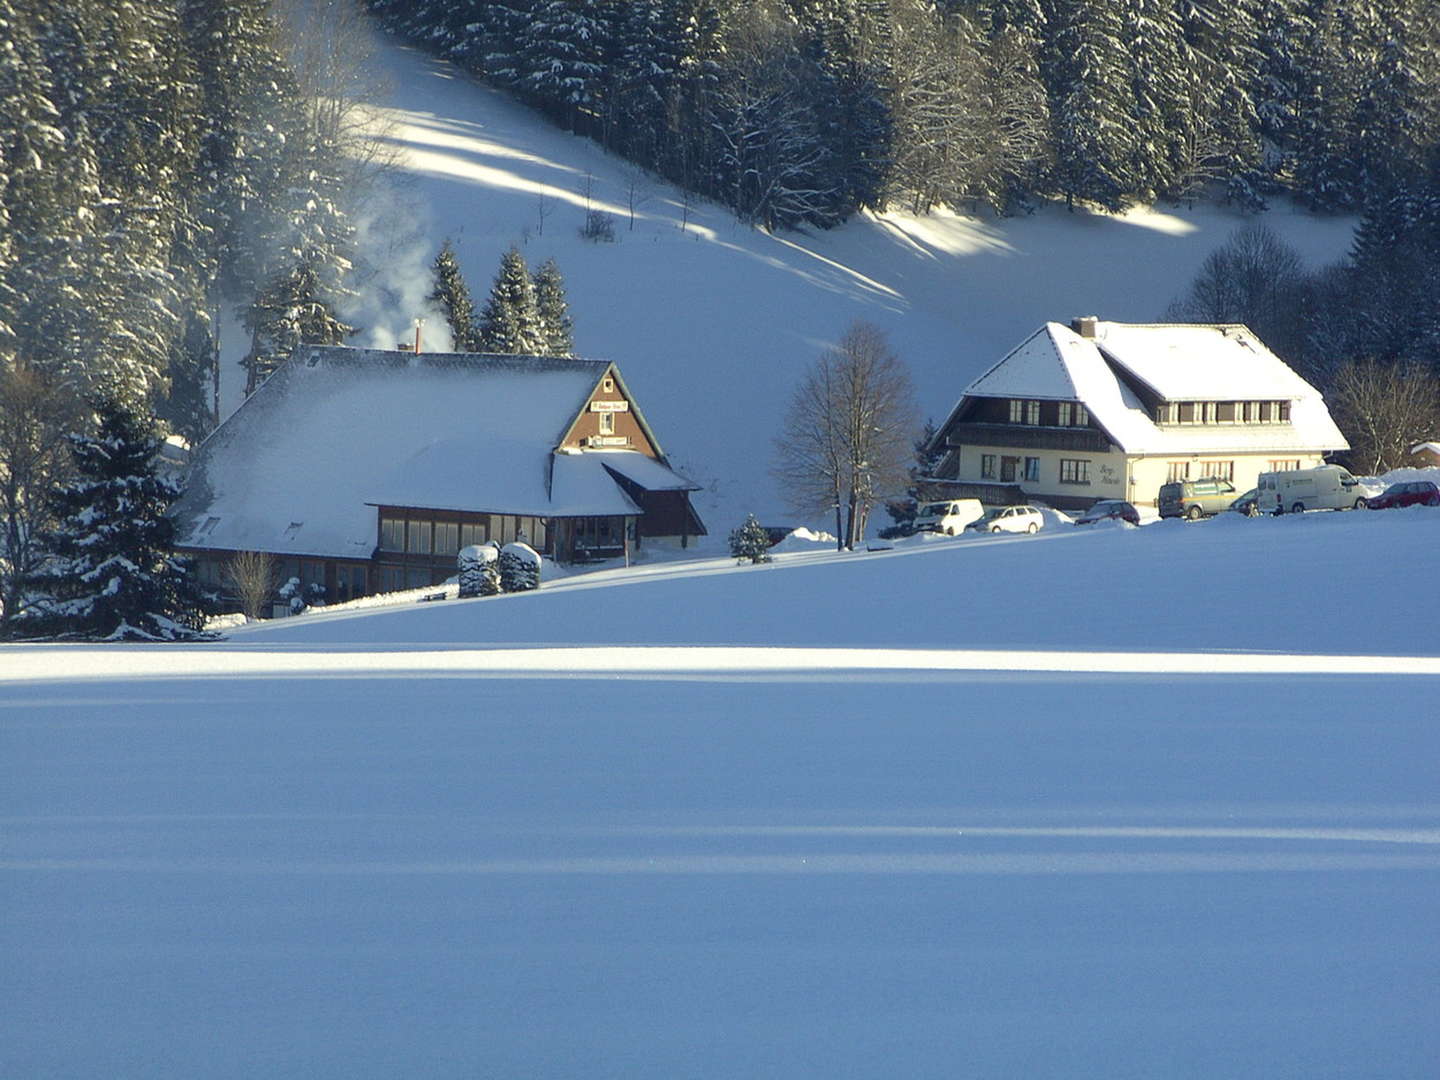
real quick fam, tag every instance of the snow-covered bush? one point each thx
(750, 542)
(299, 597)
(519, 567)
(479, 570)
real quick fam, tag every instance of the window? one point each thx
(1168, 413)
(1179, 470)
(392, 534)
(1082, 416)
(608, 385)
(607, 423)
(1032, 468)
(1189, 412)
(473, 532)
(1284, 411)
(1009, 467)
(418, 537)
(987, 466)
(1015, 411)
(1284, 466)
(1227, 412)
(1073, 471)
(1268, 412)
(1032, 413)
(1208, 412)
(447, 537)
(1064, 414)
(1224, 470)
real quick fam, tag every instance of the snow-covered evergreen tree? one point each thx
(479, 566)
(294, 309)
(519, 566)
(510, 321)
(554, 310)
(451, 295)
(750, 542)
(112, 573)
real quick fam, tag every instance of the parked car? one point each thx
(1410, 493)
(1194, 499)
(948, 516)
(1109, 510)
(1018, 519)
(1328, 487)
(1247, 504)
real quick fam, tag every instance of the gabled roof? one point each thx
(1176, 362)
(301, 466)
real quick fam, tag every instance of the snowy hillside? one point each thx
(713, 322)
(1118, 802)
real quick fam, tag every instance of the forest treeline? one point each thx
(159, 159)
(800, 112)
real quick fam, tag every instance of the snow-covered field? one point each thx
(1155, 802)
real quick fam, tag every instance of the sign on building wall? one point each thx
(609, 406)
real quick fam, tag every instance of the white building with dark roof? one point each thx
(1105, 410)
(366, 470)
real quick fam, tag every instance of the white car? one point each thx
(1018, 519)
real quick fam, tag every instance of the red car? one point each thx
(1410, 493)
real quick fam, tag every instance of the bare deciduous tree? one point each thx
(848, 432)
(35, 416)
(1254, 278)
(1384, 410)
(254, 576)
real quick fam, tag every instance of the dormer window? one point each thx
(607, 384)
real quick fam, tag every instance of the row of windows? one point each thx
(1224, 470)
(1223, 412)
(1187, 470)
(1013, 469)
(427, 536)
(1067, 413)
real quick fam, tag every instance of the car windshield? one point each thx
(994, 512)
(935, 510)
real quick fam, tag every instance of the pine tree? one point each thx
(452, 296)
(1091, 104)
(510, 322)
(291, 311)
(554, 310)
(112, 573)
(187, 408)
(750, 543)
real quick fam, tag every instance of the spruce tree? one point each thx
(452, 296)
(750, 543)
(510, 322)
(291, 311)
(112, 573)
(554, 311)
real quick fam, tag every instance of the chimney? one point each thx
(418, 324)
(1085, 325)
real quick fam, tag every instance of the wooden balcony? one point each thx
(1019, 436)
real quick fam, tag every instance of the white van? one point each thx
(948, 517)
(1328, 487)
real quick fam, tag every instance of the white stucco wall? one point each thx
(1149, 473)
(1107, 472)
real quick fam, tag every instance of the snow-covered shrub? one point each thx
(519, 567)
(750, 542)
(479, 570)
(299, 597)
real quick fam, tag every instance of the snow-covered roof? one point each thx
(1425, 448)
(1178, 363)
(1201, 362)
(301, 466)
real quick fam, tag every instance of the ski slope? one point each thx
(1098, 802)
(713, 322)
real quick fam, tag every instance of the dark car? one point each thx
(1410, 493)
(1109, 510)
(1248, 504)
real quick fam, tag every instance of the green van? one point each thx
(1194, 499)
